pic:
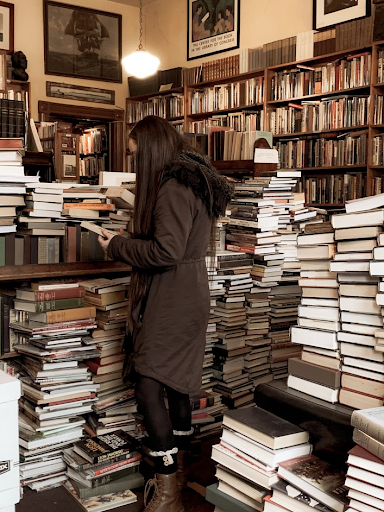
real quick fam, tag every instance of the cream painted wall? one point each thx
(29, 38)
(262, 21)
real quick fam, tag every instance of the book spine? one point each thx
(201, 403)
(112, 467)
(54, 295)
(70, 314)
(368, 443)
(368, 425)
(62, 304)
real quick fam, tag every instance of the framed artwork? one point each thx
(82, 42)
(213, 27)
(6, 27)
(80, 93)
(330, 12)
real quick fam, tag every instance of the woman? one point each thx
(178, 199)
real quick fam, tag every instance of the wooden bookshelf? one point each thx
(13, 273)
(372, 88)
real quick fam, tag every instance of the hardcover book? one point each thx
(264, 427)
(317, 478)
(103, 448)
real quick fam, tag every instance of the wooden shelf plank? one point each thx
(318, 58)
(320, 95)
(228, 80)
(26, 272)
(225, 111)
(303, 134)
(234, 165)
(9, 355)
(144, 97)
(345, 168)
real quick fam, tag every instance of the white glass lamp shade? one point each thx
(141, 64)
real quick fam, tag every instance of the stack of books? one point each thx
(284, 300)
(317, 373)
(115, 407)
(57, 386)
(254, 442)
(104, 464)
(228, 363)
(12, 191)
(356, 235)
(365, 461)
(307, 484)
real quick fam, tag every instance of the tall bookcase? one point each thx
(343, 177)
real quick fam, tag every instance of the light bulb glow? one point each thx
(141, 64)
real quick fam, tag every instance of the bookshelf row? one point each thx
(324, 111)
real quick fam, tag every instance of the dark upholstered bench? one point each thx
(329, 425)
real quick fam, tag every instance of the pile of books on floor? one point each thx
(365, 461)
(49, 324)
(357, 233)
(103, 465)
(254, 442)
(116, 405)
(317, 372)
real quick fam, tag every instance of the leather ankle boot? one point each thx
(166, 495)
(183, 458)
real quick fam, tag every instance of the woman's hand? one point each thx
(124, 233)
(105, 239)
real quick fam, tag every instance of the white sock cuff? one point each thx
(183, 432)
(167, 456)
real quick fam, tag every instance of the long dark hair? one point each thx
(158, 145)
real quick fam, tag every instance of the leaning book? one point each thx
(317, 478)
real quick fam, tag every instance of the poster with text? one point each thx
(213, 27)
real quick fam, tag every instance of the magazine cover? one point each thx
(104, 502)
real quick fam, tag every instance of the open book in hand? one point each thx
(91, 226)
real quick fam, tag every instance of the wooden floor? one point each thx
(59, 500)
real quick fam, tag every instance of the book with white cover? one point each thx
(359, 339)
(370, 421)
(358, 304)
(366, 498)
(316, 239)
(358, 233)
(313, 337)
(318, 324)
(347, 220)
(349, 266)
(376, 268)
(361, 318)
(312, 388)
(315, 313)
(364, 203)
(358, 290)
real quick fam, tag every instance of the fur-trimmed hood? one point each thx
(196, 172)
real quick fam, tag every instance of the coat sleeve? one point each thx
(173, 218)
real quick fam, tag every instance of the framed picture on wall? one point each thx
(330, 12)
(6, 27)
(82, 42)
(213, 27)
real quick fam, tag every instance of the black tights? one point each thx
(159, 423)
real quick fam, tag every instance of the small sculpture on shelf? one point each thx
(19, 66)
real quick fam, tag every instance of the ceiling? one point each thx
(135, 3)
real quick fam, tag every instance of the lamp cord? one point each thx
(141, 25)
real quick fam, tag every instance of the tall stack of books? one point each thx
(356, 233)
(233, 274)
(366, 461)
(115, 407)
(254, 442)
(307, 483)
(104, 464)
(317, 372)
(49, 326)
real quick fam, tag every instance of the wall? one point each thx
(29, 37)
(261, 21)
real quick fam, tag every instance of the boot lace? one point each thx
(153, 483)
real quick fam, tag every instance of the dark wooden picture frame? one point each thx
(80, 93)
(89, 46)
(327, 13)
(213, 27)
(8, 15)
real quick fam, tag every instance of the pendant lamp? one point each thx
(141, 63)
